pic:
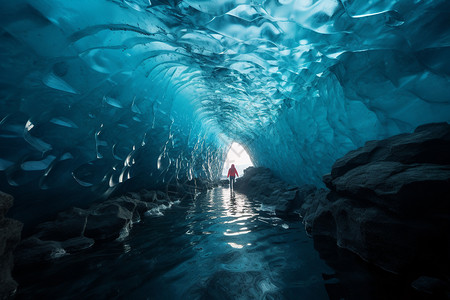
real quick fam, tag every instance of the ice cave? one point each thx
(116, 118)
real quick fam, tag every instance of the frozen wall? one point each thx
(105, 95)
(359, 70)
(83, 116)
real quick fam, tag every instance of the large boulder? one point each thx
(426, 144)
(388, 202)
(398, 187)
(10, 231)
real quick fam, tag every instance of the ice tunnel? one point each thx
(113, 95)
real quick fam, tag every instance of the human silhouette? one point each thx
(232, 173)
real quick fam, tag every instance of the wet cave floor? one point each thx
(220, 245)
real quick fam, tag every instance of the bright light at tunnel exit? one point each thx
(239, 157)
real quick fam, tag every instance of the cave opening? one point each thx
(238, 156)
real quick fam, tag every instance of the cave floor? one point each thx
(220, 245)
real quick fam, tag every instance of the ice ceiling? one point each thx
(99, 96)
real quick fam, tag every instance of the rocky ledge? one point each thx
(10, 231)
(78, 229)
(388, 202)
(261, 185)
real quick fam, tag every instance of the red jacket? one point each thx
(232, 172)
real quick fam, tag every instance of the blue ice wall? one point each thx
(101, 96)
(83, 115)
(367, 70)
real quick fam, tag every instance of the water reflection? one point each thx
(238, 212)
(236, 205)
(219, 245)
(236, 246)
(228, 232)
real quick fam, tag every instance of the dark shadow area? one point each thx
(357, 279)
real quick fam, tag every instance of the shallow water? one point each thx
(220, 245)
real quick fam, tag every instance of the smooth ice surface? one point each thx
(102, 95)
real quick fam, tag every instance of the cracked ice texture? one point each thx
(103, 95)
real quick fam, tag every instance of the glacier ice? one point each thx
(105, 95)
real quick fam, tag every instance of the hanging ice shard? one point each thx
(98, 96)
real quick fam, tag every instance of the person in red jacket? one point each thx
(232, 173)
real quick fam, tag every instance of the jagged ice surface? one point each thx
(104, 95)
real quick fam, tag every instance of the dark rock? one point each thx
(389, 202)
(286, 201)
(149, 196)
(127, 203)
(78, 229)
(353, 278)
(33, 250)
(262, 185)
(77, 244)
(6, 202)
(375, 235)
(327, 179)
(108, 222)
(398, 187)
(104, 221)
(429, 144)
(142, 207)
(10, 231)
(224, 182)
(69, 224)
(432, 286)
